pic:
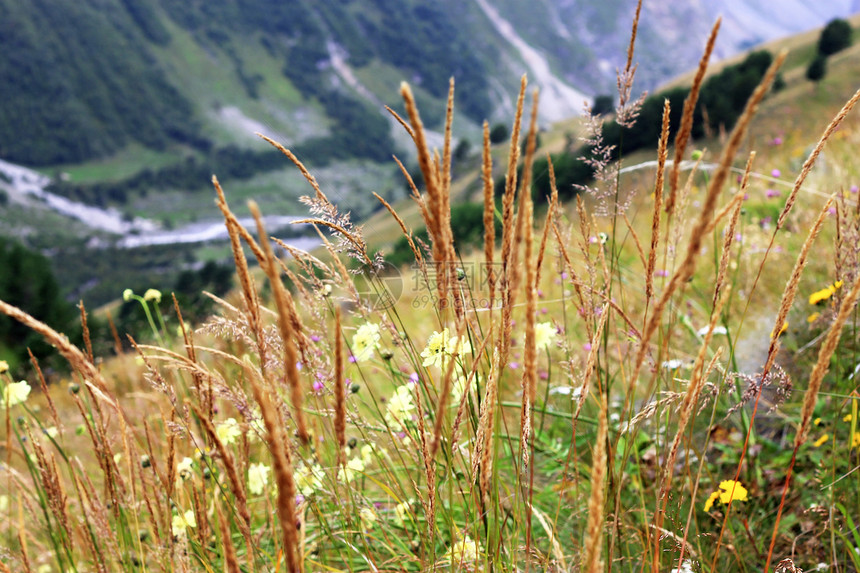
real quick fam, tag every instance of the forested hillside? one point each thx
(79, 81)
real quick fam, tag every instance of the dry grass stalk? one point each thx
(416, 194)
(236, 484)
(679, 227)
(429, 466)
(406, 233)
(591, 562)
(662, 152)
(791, 286)
(231, 562)
(550, 215)
(446, 151)
(482, 458)
(402, 122)
(283, 472)
(444, 393)
(489, 214)
(729, 234)
(590, 365)
(233, 224)
(636, 242)
(697, 235)
(529, 380)
(461, 408)
(357, 241)
(198, 505)
(508, 208)
(307, 174)
(71, 353)
(785, 304)
(205, 396)
(525, 195)
(249, 291)
(683, 135)
(117, 342)
(577, 284)
(822, 365)
(633, 30)
(43, 384)
(339, 391)
(691, 397)
(24, 557)
(86, 332)
(435, 200)
(507, 293)
(57, 500)
(810, 161)
(285, 325)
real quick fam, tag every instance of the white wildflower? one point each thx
(181, 521)
(545, 333)
(258, 477)
(228, 431)
(15, 393)
(399, 408)
(365, 341)
(308, 479)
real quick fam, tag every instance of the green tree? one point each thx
(26, 281)
(498, 133)
(603, 104)
(817, 68)
(835, 37)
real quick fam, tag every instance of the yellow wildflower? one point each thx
(846, 418)
(15, 393)
(228, 431)
(711, 499)
(365, 341)
(855, 440)
(775, 334)
(816, 422)
(181, 521)
(258, 477)
(127, 294)
(813, 317)
(820, 441)
(730, 490)
(822, 295)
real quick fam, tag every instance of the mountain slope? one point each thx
(88, 79)
(79, 82)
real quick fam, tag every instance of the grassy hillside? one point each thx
(634, 390)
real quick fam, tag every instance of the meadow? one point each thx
(657, 375)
